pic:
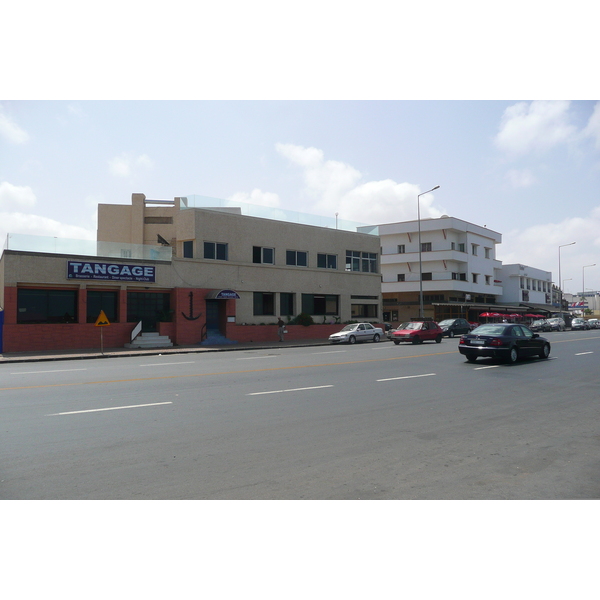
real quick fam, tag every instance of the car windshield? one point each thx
(446, 322)
(538, 322)
(577, 321)
(490, 329)
(412, 326)
(350, 327)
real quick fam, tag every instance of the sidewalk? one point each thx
(34, 356)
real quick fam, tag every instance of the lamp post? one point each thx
(583, 286)
(420, 257)
(560, 297)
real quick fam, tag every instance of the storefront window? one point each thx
(101, 300)
(46, 306)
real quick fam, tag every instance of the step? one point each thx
(150, 339)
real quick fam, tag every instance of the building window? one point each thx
(46, 306)
(327, 261)
(427, 276)
(474, 249)
(216, 250)
(461, 248)
(475, 277)
(488, 280)
(401, 277)
(263, 255)
(452, 246)
(158, 220)
(426, 247)
(125, 253)
(148, 307)
(459, 276)
(264, 303)
(364, 311)
(401, 249)
(188, 249)
(101, 300)
(488, 252)
(296, 258)
(320, 304)
(525, 295)
(286, 304)
(361, 261)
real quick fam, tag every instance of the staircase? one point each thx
(215, 338)
(150, 339)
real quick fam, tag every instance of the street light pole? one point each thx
(560, 295)
(583, 286)
(421, 313)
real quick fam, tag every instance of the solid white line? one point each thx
(581, 353)
(76, 412)
(329, 352)
(187, 362)
(490, 367)
(52, 371)
(407, 377)
(317, 387)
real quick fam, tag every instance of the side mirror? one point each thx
(535, 335)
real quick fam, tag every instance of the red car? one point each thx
(417, 332)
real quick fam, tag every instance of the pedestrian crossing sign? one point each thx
(102, 320)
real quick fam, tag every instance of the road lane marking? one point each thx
(228, 373)
(77, 412)
(582, 353)
(51, 371)
(407, 377)
(330, 352)
(488, 367)
(187, 362)
(317, 387)
(254, 357)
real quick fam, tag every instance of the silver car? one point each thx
(357, 332)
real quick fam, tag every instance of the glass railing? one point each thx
(55, 245)
(274, 213)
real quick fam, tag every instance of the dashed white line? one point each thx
(253, 357)
(407, 377)
(330, 352)
(582, 353)
(77, 412)
(187, 362)
(317, 387)
(488, 367)
(51, 371)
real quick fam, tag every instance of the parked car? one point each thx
(540, 325)
(416, 332)
(557, 324)
(452, 327)
(579, 324)
(357, 332)
(594, 323)
(507, 341)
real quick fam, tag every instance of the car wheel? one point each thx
(438, 339)
(471, 358)
(451, 334)
(351, 340)
(396, 342)
(416, 340)
(545, 351)
(376, 338)
(513, 355)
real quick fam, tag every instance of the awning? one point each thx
(222, 295)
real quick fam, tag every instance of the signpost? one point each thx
(102, 321)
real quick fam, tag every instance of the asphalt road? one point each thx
(370, 421)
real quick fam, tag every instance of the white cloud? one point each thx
(13, 196)
(125, 164)
(537, 246)
(256, 197)
(593, 127)
(535, 126)
(336, 187)
(10, 131)
(520, 178)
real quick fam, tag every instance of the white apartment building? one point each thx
(526, 285)
(459, 268)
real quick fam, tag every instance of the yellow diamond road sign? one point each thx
(102, 320)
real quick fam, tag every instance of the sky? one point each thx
(529, 170)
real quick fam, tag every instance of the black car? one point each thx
(540, 325)
(507, 341)
(452, 327)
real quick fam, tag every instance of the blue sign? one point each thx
(110, 271)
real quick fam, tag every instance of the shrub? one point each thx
(303, 319)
